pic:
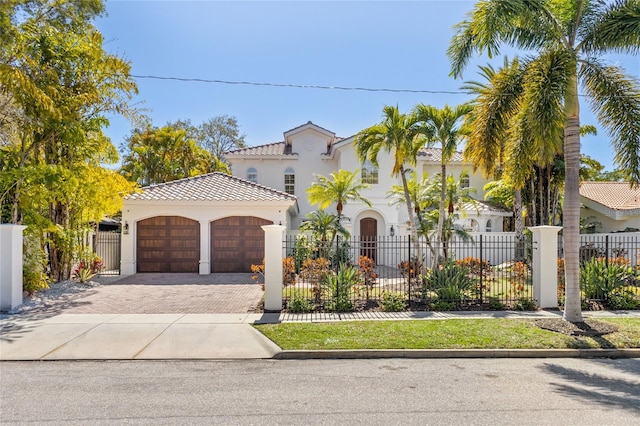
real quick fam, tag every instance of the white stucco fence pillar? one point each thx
(545, 265)
(273, 256)
(10, 266)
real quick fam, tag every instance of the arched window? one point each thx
(488, 227)
(252, 175)
(289, 181)
(472, 225)
(369, 173)
(465, 181)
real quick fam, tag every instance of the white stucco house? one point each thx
(614, 204)
(204, 224)
(292, 164)
(212, 223)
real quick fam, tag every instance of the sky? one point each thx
(393, 45)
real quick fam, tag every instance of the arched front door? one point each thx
(368, 236)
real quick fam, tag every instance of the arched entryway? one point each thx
(237, 242)
(368, 237)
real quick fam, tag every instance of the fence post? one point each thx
(10, 266)
(273, 235)
(545, 265)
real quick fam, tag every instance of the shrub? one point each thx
(450, 282)
(301, 251)
(288, 272)
(366, 268)
(393, 302)
(34, 277)
(315, 271)
(87, 267)
(339, 287)
(519, 274)
(443, 305)
(623, 299)
(475, 265)
(495, 303)
(525, 304)
(599, 279)
(299, 305)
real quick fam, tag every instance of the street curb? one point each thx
(458, 353)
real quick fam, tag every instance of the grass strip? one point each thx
(443, 334)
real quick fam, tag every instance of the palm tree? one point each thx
(340, 188)
(567, 38)
(400, 135)
(444, 126)
(325, 227)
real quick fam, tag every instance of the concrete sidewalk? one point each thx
(224, 336)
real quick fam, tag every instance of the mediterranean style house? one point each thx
(214, 222)
(309, 150)
(614, 205)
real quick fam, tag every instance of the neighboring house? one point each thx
(614, 204)
(208, 223)
(309, 150)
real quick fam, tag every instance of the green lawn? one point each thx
(443, 334)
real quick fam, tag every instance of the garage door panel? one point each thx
(236, 243)
(168, 244)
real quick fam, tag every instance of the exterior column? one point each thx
(127, 247)
(10, 266)
(273, 256)
(545, 265)
(205, 247)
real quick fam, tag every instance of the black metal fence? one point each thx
(490, 271)
(609, 270)
(107, 245)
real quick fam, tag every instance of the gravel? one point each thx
(59, 293)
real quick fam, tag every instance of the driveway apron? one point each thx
(179, 293)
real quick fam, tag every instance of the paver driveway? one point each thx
(168, 294)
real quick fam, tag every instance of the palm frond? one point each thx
(614, 28)
(615, 98)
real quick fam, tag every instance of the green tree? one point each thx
(219, 135)
(62, 84)
(568, 39)
(339, 188)
(324, 228)
(398, 134)
(157, 155)
(445, 127)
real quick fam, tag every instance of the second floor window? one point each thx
(465, 181)
(252, 175)
(289, 181)
(369, 173)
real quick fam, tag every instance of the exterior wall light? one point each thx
(392, 231)
(125, 228)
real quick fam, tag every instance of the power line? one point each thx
(300, 86)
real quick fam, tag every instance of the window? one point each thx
(369, 174)
(252, 175)
(289, 181)
(488, 227)
(465, 181)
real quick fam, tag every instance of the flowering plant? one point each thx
(88, 266)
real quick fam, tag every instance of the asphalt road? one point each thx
(383, 391)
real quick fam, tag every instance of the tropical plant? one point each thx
(341, 187)
(324, 228)
(339, 287)
(446, 127)
(450, 281)
(398, 134)
(315, 272)
(567, 39)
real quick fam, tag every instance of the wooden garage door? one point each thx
(237, 242)
(168, 244)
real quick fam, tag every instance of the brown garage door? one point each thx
(237, 242)
(168, 244)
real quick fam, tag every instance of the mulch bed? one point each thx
(589, 328)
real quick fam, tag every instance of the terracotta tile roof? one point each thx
(614, 195)
(210, 187)
(435, 154)
(482, 207)
(271, 149)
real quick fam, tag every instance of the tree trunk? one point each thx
(412, 217)
(518, 225)
(571, 212)
(443, 193)
(532, 201)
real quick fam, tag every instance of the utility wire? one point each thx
(300, 86)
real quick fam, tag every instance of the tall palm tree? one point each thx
(446, 127)
(567, 38)
(341, 187)
(398, 134)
